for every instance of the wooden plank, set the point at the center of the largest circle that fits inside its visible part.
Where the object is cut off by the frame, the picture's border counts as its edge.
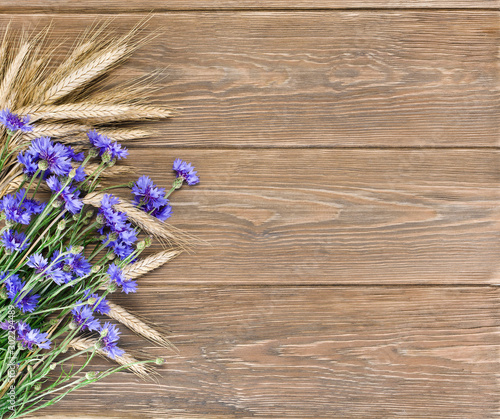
(334, 216)
(118, 6)
(310, 352)
(319, 79)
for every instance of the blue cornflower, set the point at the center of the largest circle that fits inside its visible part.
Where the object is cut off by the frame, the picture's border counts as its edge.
(186, 172)
(106, 145)
(162, 213)
(83, 315)
(38, 262)
(19, 209)
(14, 285)
(120, 248)
(146, 192)
(56, 272)
(72, 154)
(111, 335)
(14, 122)
(57, 156)
(80, 174)
(78, 264)
(69, 195)
(14, 241)
(116, 222)
(116, 276)
(100, 305)
(29, 162)
(112, 218)
(151, 199)
(28, 336)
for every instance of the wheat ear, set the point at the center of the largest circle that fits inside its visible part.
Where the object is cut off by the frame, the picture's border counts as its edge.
(143, 266)
(99, 113)
(56, 130)
(141, 370)
(85, 73)
(12, 72)
(137, 325)
(145, 221)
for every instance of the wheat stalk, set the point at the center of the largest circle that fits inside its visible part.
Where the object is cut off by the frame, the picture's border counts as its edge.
(141, 370)
(137, 325)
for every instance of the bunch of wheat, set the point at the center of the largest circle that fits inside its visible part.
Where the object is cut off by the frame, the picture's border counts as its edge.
(65, 102)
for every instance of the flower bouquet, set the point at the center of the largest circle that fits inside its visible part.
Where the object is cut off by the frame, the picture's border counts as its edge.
(67, 241)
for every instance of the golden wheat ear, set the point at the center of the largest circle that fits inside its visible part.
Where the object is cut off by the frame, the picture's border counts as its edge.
(141, 370)
(138, 326)
(154, 261)
(165, 233)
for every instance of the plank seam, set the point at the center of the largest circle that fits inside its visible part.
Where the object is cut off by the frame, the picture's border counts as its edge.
(236, 10)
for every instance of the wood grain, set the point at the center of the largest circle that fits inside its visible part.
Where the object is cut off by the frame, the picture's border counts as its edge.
(310, 352)
(318, 79)
(115, 6)
(334, 216)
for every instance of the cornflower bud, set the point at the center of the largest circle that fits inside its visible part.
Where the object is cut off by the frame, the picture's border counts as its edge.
(72, 325)
(178, 183)
(110, 256)
(91, 301)
(112, 163)
(72, 173)
(148, 240)
(95, 269)
(76, 249)
(43, 165)
(93, 152)
(53, 366)
(104, 333)
(57, 203)
(37, 387)
(106, 157)
(3, 294)
(112, 287)
(141, 245)
(100, 219)
(66, 268)
(61, 225)
(159, 361)
(89, 213)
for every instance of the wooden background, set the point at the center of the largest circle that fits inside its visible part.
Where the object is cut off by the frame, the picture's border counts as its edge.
(349, 157)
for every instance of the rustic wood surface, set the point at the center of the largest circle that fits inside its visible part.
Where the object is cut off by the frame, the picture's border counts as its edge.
(117, 6)
(349, 196)
(317, 79)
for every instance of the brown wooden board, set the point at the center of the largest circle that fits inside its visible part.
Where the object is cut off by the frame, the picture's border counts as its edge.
(309, 352)
(318, 79)
(115, 6)
(333, 216)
